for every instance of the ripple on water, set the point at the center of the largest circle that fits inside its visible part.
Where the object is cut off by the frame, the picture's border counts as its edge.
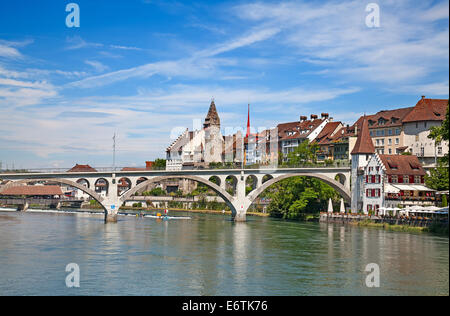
(210, 255)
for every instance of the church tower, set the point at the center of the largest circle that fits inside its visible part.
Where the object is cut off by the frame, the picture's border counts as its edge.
(361, 154)
(212, 119)
(213, 136)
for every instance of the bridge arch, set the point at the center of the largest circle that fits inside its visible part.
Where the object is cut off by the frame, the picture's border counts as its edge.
(140, 180)
(345, 194)
(74, 184)
(221, 192)
(84, 182)
(341, 178)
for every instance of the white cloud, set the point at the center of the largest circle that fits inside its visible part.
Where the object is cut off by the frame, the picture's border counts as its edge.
(76, 42)
(98, 66)
(401, 51)
(200, 64)
(124, 47)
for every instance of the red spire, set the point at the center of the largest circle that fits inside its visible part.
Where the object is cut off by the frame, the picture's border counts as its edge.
(248, 122)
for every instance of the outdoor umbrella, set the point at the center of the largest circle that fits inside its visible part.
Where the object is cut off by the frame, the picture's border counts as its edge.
(330, 206)
(342, 206)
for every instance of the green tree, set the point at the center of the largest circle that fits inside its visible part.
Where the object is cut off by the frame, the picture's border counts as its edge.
(159, 164)
(444, 202)
(294, 198)
(155, 192)
(306, 152)
(441, 133)
(438, 178)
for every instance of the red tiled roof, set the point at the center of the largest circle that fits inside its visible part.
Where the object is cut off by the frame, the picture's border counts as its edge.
(392, 118)
(82, 168)
(364, 143)
(428, 110)
(297, 128)
(325, 135)
(402, 165)
(33, 190)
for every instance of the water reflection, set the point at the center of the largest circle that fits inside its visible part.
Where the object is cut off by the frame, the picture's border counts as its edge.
(210, 255)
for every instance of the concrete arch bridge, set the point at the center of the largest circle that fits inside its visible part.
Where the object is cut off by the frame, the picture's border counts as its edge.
(239, 202)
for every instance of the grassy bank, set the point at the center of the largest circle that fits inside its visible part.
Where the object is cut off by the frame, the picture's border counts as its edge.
(136, 209)
(438, 229)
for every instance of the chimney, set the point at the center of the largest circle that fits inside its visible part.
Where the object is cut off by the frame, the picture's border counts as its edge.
(356, 130)
(313, 117)
(325, 115)
(148, 165)
(303, 118)
(423, 97)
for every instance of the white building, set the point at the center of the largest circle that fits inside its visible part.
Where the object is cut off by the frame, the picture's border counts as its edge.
(416, 127)
(385, 181)
(200, 147)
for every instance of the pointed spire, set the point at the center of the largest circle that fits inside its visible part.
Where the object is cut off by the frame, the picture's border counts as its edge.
(364, 143)
(212, 119)
(248, 122)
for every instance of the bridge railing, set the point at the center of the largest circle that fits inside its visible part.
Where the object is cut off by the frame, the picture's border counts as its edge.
(339, 164)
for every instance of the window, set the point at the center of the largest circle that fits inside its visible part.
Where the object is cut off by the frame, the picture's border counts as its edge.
(397, 131)
(422, 151)
(382, 141)
(390, 151)
(397, 141)
(394, 179)
(417, 125)
(417, 138)
(425, 124)
(417, 179)
(439, 150)
(390, 141)
(389, 132)
(405, 179)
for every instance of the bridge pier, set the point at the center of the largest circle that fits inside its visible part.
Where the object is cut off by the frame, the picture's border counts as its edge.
(111, 217)
(240, 217)
(23, 207)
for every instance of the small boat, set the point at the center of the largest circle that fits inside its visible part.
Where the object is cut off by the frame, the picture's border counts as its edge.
(167, 217)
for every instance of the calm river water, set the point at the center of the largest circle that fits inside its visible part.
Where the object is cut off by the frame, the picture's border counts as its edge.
(210, 255)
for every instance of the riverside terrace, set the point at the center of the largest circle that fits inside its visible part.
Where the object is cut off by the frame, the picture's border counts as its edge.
(239, 202)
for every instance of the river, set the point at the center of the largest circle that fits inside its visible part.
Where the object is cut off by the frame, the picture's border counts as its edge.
(210, 255)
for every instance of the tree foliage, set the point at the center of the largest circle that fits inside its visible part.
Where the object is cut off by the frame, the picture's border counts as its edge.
(441, 133)
(159, 164)
(305, 153)
(438, 178)
(296, 197)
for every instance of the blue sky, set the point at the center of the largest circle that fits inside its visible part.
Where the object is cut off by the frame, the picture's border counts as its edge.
(146, 69)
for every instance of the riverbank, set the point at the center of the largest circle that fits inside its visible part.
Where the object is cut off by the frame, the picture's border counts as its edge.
(190, 211)
(161, 210)
(410, 225)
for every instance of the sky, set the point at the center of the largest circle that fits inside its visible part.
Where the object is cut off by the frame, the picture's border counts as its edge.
(148, 69)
